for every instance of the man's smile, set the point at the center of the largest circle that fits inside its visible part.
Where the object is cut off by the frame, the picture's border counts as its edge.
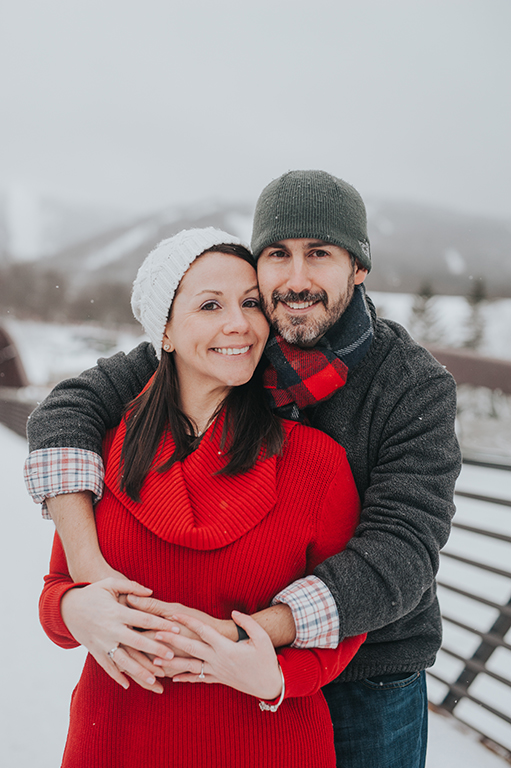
(299, 305)
(299, 302)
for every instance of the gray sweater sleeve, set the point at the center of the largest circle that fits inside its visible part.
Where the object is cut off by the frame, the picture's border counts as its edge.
(389, 567)
(79, 411)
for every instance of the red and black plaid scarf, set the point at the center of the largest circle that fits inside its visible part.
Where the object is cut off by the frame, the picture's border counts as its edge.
(299, 377)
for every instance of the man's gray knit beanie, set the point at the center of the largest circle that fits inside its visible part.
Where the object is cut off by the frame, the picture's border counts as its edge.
(312, 204)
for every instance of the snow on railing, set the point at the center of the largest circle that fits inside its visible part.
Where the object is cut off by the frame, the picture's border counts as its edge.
(471, 679)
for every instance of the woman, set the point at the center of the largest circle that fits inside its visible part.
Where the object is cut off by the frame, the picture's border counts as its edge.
(214, 502)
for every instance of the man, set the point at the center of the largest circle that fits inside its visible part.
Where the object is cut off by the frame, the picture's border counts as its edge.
(395, 418)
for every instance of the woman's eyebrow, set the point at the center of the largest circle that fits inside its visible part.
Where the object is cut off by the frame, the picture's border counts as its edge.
(220, 293)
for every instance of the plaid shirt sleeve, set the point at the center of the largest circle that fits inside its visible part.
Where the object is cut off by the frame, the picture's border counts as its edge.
(54, 471)
(314, 611)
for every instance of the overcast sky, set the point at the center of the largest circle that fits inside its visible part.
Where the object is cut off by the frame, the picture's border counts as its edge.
(142, 103)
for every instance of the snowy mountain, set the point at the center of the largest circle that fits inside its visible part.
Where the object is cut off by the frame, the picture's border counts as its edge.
(34, 225)
(115, 256)
(413, 245)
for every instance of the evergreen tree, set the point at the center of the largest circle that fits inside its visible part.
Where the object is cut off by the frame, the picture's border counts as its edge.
(475, 323)
(424, 323)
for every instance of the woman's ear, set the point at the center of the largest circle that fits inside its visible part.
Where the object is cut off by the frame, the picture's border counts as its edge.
(167, 344)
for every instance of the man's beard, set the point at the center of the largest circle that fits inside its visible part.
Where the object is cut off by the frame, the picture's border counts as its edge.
(306, 330)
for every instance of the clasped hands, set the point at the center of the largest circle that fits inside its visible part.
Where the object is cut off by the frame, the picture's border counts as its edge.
(170, 640)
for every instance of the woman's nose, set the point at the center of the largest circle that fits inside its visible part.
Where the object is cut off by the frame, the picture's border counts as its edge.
(236, 322)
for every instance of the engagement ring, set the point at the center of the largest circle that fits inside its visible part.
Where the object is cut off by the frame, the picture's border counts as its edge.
(111, 653)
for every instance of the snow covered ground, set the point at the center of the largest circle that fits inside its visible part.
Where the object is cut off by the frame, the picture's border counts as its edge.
(51, 352)
(38, 677)
(452, 318)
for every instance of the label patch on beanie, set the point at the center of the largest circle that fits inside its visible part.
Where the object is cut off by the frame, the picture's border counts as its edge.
(365, 248)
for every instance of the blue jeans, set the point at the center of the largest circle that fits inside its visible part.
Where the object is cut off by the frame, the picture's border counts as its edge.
(380, 723)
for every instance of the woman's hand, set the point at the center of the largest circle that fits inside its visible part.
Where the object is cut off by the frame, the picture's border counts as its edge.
(169, 610)
(98, 620)
(249, 666)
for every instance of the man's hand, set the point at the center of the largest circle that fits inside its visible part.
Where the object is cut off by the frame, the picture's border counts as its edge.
(167, 610)
(156, 607)
(278, 618)
(98, 620)
(250, 666)
(277, 621)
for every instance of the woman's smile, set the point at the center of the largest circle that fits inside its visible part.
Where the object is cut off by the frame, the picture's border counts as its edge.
(232, 350)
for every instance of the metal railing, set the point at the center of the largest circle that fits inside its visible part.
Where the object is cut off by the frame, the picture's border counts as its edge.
(16, 405)
(489, 641)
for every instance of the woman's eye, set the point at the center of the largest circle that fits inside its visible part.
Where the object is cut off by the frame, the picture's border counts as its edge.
(251, 303)
(209, 305)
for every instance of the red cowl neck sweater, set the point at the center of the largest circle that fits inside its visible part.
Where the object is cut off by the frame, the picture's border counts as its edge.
(216, 543)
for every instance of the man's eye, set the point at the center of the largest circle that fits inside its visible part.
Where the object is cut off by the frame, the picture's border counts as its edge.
(210, 305)
(319, 253)
(278, 254)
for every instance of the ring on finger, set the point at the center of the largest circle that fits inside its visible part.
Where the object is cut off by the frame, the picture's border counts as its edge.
(110, 653)
(202, 675)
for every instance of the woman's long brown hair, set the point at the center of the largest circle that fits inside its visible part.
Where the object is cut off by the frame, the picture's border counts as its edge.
(249, 426)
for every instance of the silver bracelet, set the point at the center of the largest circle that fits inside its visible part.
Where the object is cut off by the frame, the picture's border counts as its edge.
(265, 707)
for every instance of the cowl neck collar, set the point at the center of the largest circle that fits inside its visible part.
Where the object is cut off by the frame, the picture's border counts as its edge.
(189, 504)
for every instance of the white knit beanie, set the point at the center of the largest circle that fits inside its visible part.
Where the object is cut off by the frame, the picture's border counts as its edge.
(161, 272)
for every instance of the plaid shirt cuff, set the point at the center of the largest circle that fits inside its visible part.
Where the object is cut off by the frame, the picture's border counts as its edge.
(314, 611)
(54, 471)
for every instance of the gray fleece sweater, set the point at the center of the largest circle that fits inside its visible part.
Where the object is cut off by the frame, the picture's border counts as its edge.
(395, 418)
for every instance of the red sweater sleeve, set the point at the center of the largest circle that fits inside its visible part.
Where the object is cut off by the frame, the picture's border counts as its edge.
(307, 670)
(56, 584)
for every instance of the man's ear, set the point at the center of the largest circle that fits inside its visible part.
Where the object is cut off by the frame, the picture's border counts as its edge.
(360, 275)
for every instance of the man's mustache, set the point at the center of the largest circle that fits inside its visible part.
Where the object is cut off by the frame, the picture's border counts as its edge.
(298, 298)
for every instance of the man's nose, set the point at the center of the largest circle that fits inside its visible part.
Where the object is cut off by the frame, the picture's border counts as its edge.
(298, 278)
